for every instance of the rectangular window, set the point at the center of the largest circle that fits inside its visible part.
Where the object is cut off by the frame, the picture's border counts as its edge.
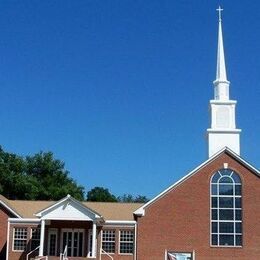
(20, 239)
(109, 241)
(35, 241)
(126, 242)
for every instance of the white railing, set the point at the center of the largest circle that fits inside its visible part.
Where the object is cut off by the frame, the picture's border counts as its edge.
(64, 255)
(102, 251)
(27, 256)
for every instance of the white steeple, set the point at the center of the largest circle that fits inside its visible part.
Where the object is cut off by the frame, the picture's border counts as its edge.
(221, 66)
(221, 83)
(223, 132)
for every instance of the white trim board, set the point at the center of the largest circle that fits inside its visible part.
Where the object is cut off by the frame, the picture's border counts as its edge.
(141, 211)
(120, 222)
(24, 220)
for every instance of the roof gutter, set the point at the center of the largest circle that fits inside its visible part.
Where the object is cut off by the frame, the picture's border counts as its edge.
(24, 220)
(129, 223)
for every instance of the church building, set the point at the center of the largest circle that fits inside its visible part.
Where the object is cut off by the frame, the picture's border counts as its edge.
(212, 213)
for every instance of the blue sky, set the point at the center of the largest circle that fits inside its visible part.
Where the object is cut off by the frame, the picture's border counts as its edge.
(119, 90)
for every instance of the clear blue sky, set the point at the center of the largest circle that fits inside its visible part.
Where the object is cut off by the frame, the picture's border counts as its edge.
(119, 90)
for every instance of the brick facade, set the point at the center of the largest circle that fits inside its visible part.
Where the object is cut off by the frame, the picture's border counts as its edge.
(117, 255)
(59, 225)
(21, 255)
(180, 220)
(4, 215)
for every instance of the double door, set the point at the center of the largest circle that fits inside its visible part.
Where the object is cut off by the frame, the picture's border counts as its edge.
(74, 240)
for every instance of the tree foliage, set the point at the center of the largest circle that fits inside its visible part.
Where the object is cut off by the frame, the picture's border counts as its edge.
(37, 177)
(131, 198)
(42, 177)
(100, 194)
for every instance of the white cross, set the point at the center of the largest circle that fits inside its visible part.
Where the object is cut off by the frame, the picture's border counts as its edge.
(219, 13)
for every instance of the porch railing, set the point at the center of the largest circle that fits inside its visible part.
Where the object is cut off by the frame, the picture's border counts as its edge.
(27, 256)
(64, 255)
(102, 251)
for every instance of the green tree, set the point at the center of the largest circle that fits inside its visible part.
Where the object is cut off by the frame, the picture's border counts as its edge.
(132, 199)
(14, 182)
(141, 199)
(40, 177)
(126, 198)
(52, 176)
(100, 194)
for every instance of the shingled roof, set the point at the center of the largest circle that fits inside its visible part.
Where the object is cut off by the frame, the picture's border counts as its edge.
(108, 210)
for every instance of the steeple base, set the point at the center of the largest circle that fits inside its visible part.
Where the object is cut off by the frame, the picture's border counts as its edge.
(218, 139)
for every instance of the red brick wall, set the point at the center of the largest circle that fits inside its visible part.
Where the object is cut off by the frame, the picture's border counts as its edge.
(4, 215)
(14, 255)
(180, 221)
(115, 256)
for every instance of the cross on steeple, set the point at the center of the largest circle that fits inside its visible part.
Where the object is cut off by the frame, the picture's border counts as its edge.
(219, 13)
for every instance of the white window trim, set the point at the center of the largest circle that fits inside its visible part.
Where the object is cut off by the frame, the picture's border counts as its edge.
(53, 231)
(129, 242)
(15, 250)
(101, 246)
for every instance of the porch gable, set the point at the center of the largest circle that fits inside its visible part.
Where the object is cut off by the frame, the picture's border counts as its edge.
(68, 209)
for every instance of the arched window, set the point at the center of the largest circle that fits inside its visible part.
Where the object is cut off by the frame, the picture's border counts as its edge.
(226, 209)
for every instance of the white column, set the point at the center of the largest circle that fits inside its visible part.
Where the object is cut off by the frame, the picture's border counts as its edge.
(42, 237)
(135, 239)
(8, 238)
(94, 235)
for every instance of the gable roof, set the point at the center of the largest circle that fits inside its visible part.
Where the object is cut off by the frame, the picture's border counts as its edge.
(141, 210)
(108, 210)
(68, 208)
(5, 203)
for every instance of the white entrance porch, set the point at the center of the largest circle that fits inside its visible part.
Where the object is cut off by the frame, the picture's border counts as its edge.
(70, 228)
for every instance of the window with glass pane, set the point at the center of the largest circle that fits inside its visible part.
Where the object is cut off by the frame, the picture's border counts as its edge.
(126, 242)
(226, 209)
(109, 241)
(20, 239)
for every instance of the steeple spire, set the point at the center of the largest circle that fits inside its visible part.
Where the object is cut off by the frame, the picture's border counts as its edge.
(223, 131)
(221, 83)
(221, 74)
